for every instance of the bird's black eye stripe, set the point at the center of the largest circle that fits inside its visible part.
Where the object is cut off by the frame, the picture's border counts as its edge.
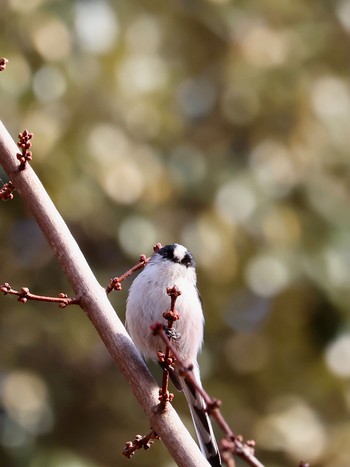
(187, 260)
(167, 251)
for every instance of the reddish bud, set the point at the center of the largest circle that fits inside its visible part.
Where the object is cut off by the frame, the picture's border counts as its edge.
(3, 63)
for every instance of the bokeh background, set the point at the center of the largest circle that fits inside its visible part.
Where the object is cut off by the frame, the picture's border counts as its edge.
(220, 124)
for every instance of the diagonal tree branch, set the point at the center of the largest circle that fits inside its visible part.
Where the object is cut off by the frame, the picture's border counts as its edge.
(94, 301)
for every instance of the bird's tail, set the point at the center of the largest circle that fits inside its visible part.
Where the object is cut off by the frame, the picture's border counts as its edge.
(201, 421)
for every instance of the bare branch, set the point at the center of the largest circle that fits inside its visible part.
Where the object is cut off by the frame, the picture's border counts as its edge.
(94, 301)
(116, 282)
(24, 145)
(139, 442)
(232, 443)
(24, 295)
(3, 63)
(167, 359)
(6, 191)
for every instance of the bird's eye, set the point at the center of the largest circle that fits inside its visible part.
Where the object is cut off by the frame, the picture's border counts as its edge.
(186, 260)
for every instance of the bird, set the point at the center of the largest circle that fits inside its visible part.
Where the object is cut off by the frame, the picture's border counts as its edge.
(173, 265)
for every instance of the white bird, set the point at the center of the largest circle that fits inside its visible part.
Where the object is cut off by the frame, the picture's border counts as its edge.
(147, 301)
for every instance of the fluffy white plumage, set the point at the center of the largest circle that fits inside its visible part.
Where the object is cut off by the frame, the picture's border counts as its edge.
(147, 301)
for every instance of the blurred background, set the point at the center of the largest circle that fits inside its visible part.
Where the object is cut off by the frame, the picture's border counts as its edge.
(219, 124)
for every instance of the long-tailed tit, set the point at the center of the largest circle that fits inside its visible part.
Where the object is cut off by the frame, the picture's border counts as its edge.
(147, 301)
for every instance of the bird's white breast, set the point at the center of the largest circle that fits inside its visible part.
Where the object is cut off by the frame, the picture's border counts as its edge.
(148, 301)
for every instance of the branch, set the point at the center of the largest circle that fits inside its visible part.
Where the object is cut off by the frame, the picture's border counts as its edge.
(24, 145)
(94, 301)
(24, 295)
(3, 63)
(139, 442)
(232, 443)
(6, 191)
(116, 282)
(166, 360)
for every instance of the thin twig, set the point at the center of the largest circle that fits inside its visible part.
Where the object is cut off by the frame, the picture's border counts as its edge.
(6, 191)
(167, 359)
(232, 443)
(139, 442)
(115, 283)
(24, 295)
(3, 63)
(24, 145)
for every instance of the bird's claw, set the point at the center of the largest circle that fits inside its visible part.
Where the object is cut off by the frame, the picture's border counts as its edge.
(172, 334)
